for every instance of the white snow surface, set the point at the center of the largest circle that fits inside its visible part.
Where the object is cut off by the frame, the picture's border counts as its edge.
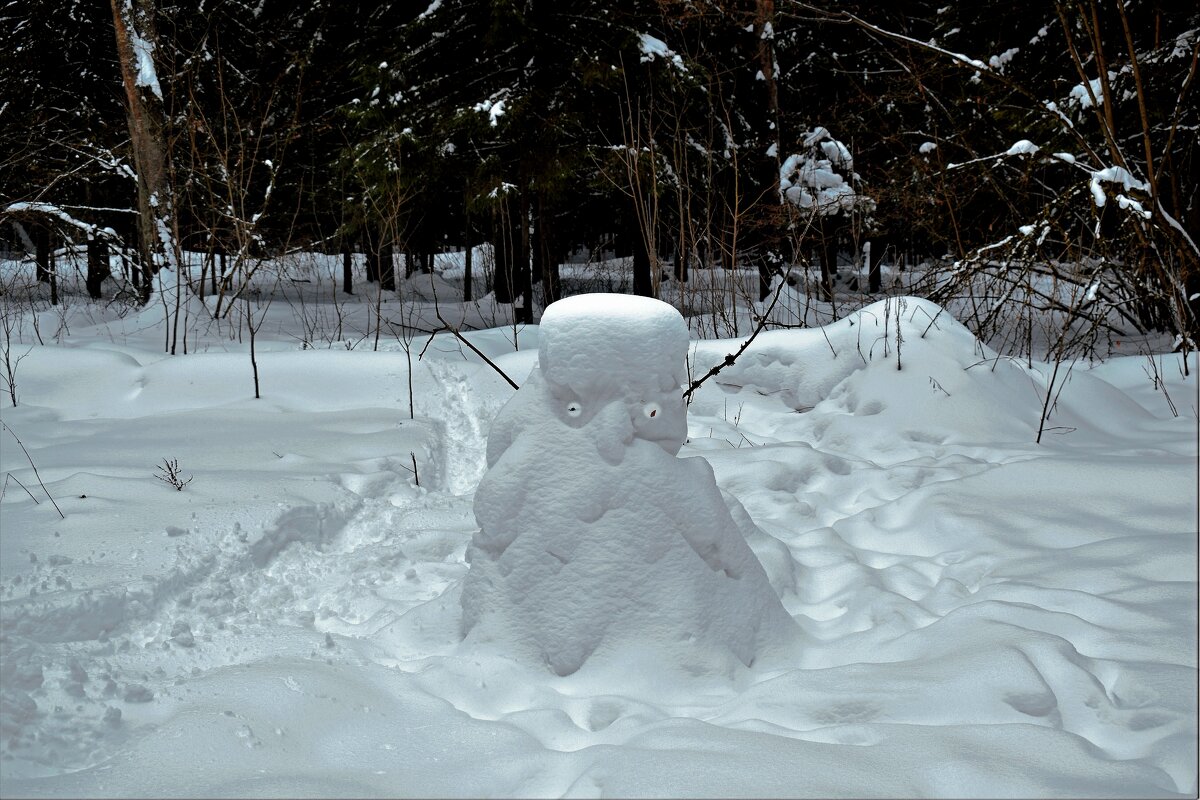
(431, 9)
(1083, 95)
(972, 614)
(1118, 176)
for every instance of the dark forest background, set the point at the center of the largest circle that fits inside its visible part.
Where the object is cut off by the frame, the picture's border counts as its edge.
(656, 129)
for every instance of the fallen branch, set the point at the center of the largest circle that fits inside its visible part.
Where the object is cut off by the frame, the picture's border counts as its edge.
(36, 502)
(446, 326)
(36, 474)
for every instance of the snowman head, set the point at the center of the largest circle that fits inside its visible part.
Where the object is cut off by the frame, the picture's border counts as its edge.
(616, 361)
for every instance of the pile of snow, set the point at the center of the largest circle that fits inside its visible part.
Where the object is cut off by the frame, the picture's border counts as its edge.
(904, 360)
(595, 540)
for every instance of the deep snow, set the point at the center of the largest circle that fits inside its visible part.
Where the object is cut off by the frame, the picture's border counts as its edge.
(978, 615)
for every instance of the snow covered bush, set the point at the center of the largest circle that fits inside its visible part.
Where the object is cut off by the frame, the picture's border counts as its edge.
(821, 182)
(1072, 198)
(816, 180)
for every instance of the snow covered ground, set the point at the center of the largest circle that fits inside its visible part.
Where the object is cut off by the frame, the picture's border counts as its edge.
(979, 615)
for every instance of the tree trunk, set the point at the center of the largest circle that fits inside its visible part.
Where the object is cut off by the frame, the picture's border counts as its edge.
(53, 280)
(370, 246)
(764, 277)
(216, 256)
(387, 267)
(512, 259)
(469, 244)
(521, 237)
(770, 238)
(879, 246)
(643, 283)
(681, 258)
(41, 244)
(131, 252)
(828, 246)
(545, 254)
(137, 39)
(206, 265)
(347, 269)
(501, 285)
(148, 267)
(97, 266)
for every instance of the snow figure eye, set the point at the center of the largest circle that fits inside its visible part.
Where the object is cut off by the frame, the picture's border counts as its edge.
(651, 410)
(574, 409)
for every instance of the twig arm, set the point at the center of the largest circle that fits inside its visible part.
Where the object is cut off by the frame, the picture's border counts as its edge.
(730, 358)
(446, 326)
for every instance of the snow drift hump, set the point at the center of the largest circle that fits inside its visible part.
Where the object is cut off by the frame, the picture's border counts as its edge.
(594, 539)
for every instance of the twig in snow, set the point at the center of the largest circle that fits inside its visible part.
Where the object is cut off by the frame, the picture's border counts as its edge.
(35, 470)
(446, 326)
(170, 474)
(416, 475)
(9, 475)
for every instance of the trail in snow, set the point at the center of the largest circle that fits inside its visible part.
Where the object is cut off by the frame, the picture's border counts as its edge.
(463, 443)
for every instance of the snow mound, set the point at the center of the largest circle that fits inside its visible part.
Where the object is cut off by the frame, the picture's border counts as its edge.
(594, 539)
(903, 372)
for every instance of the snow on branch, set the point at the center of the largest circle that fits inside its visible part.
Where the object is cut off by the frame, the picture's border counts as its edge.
(53, 211)
(1121, 176)
(1023, 147)
(653, 48)
(430, 10)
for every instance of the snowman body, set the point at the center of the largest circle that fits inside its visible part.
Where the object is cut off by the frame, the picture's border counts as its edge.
(595, 540)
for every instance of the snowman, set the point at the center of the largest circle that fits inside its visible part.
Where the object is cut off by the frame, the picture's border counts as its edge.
(595, 540)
